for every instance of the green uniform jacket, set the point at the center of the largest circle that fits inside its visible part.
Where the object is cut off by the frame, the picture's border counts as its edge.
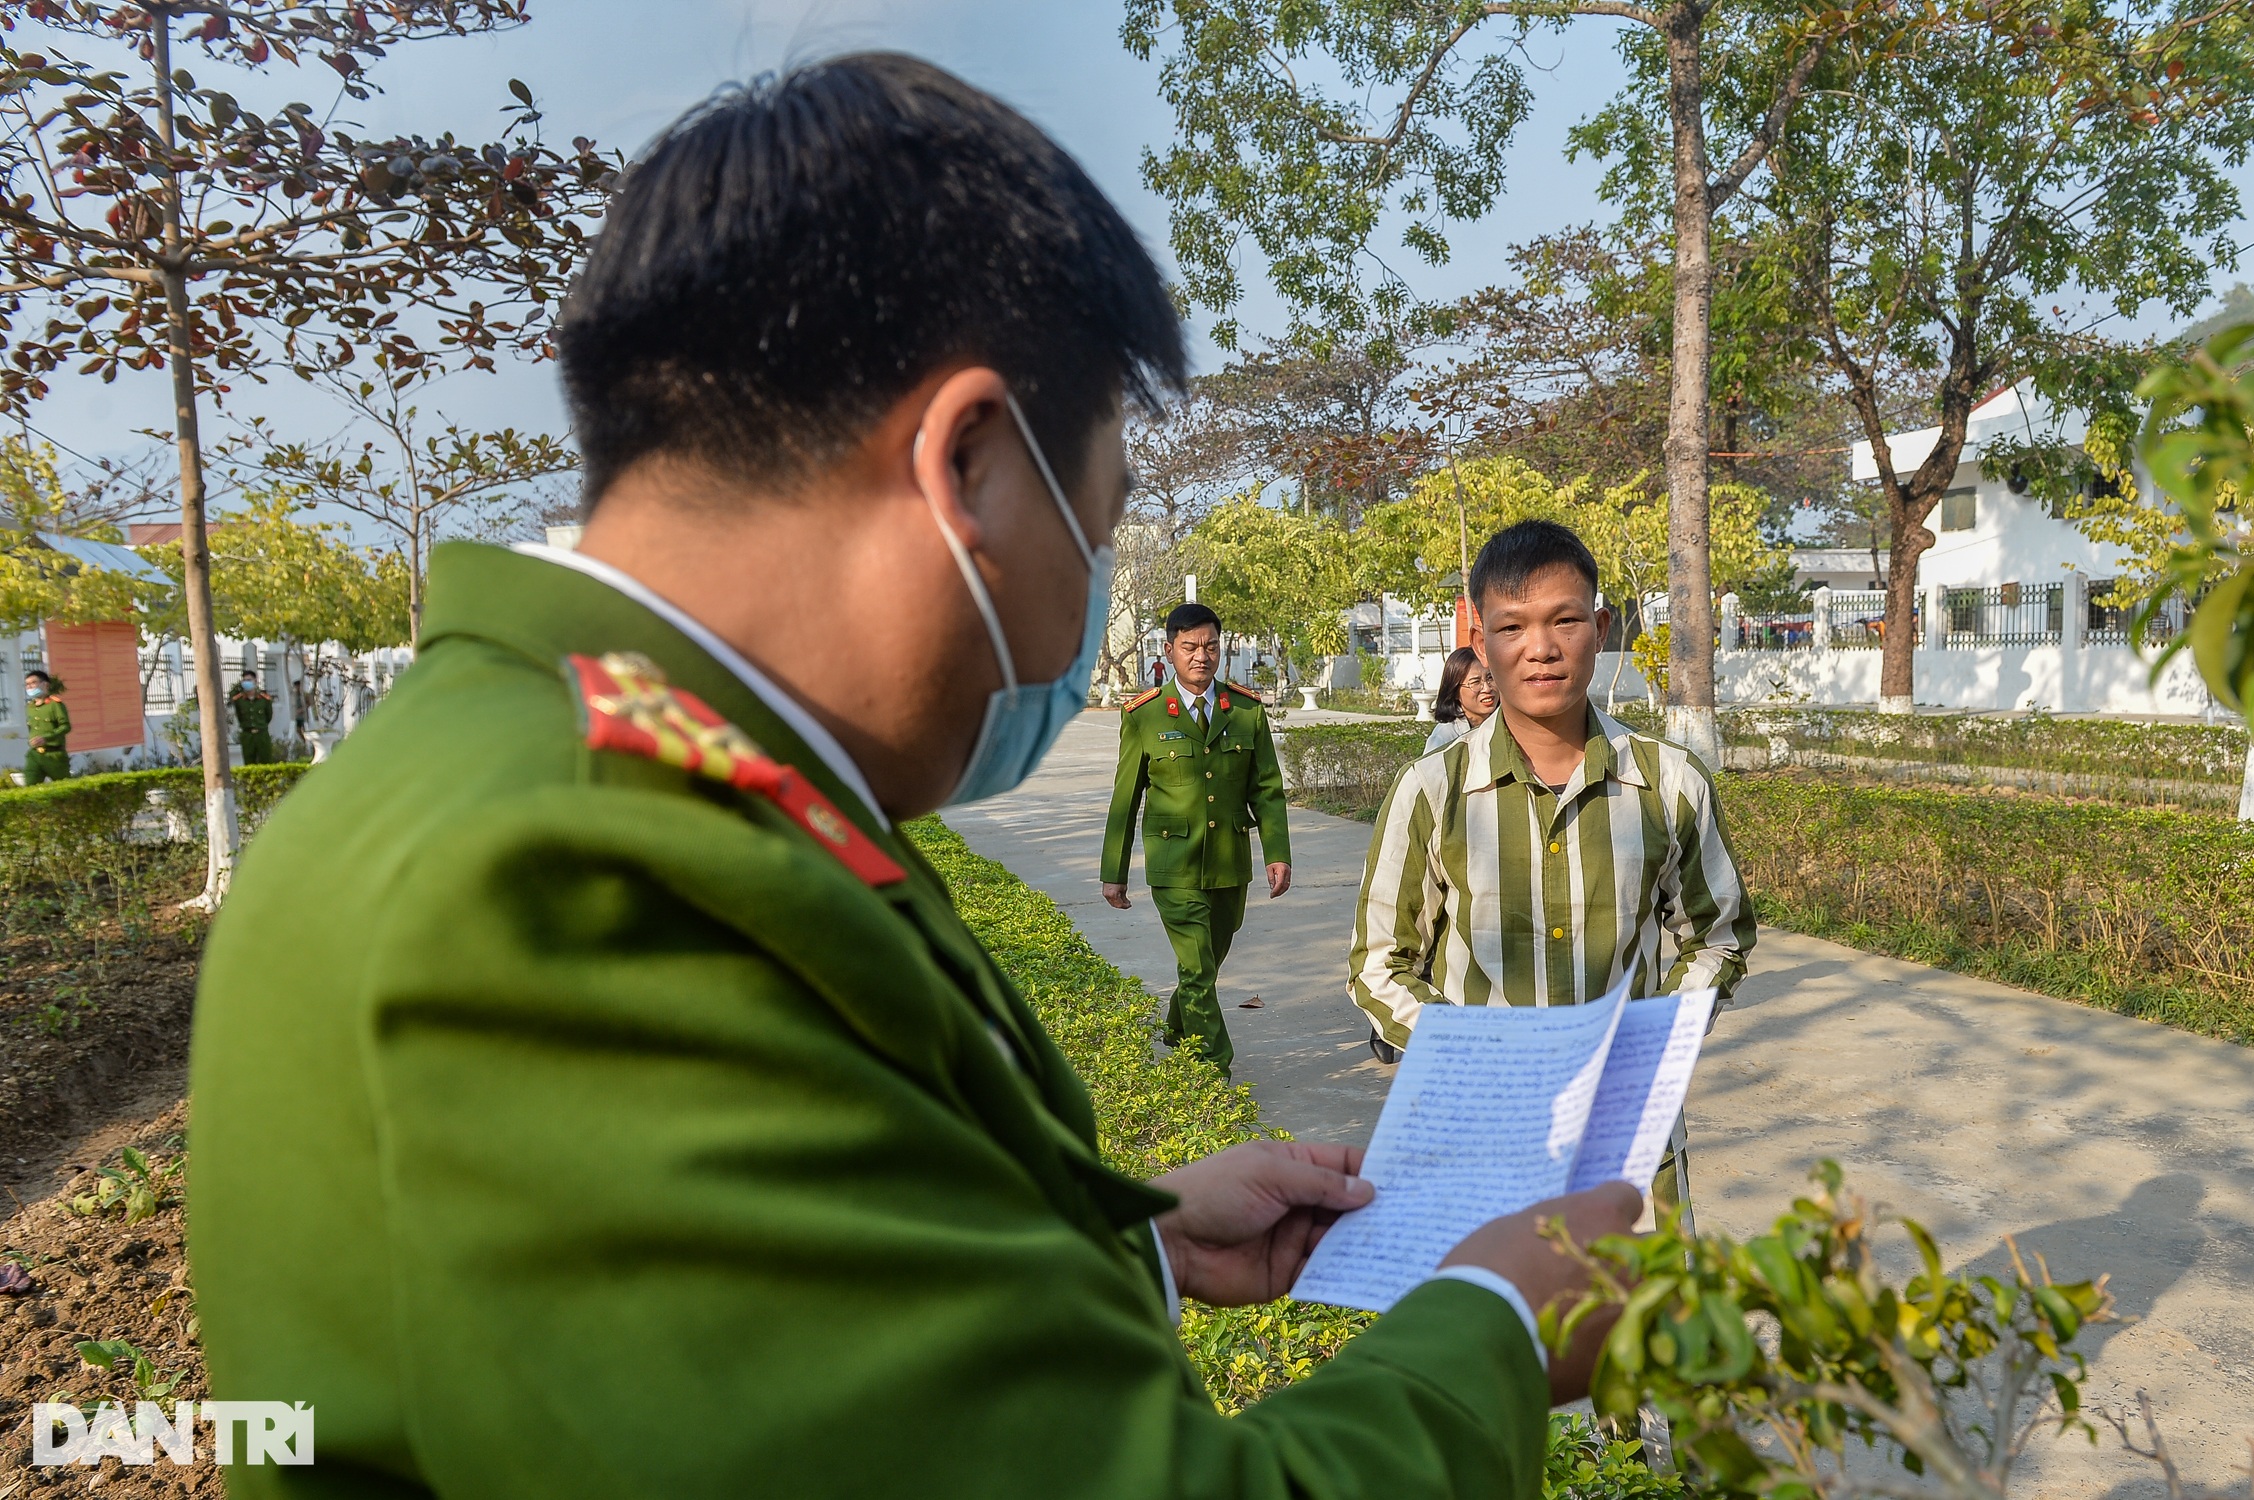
(1205, 795)
(48, 724)
(569, 1125)
(254, 712)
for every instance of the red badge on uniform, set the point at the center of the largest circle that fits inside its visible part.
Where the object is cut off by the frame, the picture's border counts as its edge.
(1224, 703)
(1173, 709)
(631, 710)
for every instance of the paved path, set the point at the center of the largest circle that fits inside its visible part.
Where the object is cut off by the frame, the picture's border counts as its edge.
(2106, 1144)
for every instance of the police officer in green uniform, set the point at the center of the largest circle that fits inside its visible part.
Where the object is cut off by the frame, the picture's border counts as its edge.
(1201, 749)
(47, 722)
(254, 720)
(651, 1124)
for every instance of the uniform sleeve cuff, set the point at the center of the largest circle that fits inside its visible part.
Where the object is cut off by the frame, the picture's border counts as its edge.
(1501, 1286)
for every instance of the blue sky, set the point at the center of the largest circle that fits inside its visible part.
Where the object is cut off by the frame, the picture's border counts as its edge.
(620, 72)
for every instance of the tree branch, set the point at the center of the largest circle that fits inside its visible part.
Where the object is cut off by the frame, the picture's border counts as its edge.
(1772, 125)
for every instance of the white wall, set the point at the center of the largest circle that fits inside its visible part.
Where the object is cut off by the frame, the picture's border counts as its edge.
(2105, 679)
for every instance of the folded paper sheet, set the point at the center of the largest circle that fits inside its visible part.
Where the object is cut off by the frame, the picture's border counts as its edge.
(1497, 1108)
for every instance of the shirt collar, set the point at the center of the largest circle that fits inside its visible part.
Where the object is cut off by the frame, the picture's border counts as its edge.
(784, 707)
(1206, 697)
(1599, 758)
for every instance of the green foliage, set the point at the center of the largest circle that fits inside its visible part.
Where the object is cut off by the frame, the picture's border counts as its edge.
(1650, 653)
(117, 831)
(1798, 1336)
(38, 584)
(2133, 910)
(1275, 575)
(277, 574)
(1585, 1464)
(2199, 443)
(1347, 768)
(1412, 548)
(120, 1357)
(137, 1188)
(1307, 172)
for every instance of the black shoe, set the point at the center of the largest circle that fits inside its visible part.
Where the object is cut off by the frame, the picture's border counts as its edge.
(1383, 1050)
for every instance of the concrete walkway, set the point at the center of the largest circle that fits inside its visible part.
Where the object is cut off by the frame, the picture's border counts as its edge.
(2108, 1145)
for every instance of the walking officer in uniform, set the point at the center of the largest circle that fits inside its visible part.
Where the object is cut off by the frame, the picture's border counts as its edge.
(47, 722)
(254, 720)
(1201, 751)
(655, 1126)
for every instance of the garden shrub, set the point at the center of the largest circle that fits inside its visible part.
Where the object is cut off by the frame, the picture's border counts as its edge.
(2133, 909)
(119, 829)
(1345, 768)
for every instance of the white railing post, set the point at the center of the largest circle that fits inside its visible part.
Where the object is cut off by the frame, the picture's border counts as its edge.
(2074, 617)
(1820, 601)
(1937, 617)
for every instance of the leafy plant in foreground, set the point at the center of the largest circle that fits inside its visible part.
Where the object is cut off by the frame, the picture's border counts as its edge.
(140, 1187)
(122, 1358)
(1796, 1337)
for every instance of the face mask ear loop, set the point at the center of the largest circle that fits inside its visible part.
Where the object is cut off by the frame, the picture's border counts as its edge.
(1056, 490)
(969, 571)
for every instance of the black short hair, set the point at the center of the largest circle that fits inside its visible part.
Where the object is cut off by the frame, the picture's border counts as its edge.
(1189, 617)
(35, 672)
(793, 256)
(1449, 705)
(1515, 554)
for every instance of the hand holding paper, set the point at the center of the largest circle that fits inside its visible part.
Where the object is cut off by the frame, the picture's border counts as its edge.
(1498, 1108)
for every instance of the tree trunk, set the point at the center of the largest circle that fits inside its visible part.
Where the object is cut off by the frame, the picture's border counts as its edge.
(221, 832)
(1690, 584)
(1897, 665)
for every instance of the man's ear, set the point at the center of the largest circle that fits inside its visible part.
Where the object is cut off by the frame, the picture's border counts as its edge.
(1604, 624)
(957, 411)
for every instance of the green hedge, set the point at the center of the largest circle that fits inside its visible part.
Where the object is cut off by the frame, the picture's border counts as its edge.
(2139, 911)
(119, 828)
(1346, 768)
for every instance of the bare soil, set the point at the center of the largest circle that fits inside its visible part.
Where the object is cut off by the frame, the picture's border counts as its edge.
(94, 1019)
(92, 1276)
(89, 1044)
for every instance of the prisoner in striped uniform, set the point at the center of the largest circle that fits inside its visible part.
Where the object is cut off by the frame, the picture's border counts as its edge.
(1485, 886)
(1552, 852)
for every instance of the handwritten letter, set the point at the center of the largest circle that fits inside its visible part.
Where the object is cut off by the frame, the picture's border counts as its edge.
(1485, 1118)
(1645, 1078)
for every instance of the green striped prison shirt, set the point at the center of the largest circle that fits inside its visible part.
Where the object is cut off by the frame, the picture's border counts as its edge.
(1483, 884)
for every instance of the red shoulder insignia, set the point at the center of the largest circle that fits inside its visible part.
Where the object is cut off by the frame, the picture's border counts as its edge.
(629, 709)
(1247, 693)
(1140, 699)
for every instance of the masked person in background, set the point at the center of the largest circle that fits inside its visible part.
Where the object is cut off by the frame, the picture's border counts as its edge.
(254, 720)
(656, 1127)
(47, 727)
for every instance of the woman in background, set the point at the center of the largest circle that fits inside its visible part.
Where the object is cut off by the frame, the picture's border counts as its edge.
(1467, 697)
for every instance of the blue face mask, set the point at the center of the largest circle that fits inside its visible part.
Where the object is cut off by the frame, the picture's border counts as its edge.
(1024, 719)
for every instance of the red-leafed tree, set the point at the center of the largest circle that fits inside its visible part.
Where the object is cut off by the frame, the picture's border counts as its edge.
(152, 220)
